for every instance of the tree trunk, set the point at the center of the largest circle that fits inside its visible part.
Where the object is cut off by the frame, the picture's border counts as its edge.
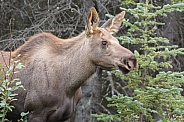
(87, 105)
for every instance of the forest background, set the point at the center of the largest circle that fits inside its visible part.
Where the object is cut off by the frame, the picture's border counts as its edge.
(20, 19)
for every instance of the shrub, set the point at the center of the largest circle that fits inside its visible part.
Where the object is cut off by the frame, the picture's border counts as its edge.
(8, 86)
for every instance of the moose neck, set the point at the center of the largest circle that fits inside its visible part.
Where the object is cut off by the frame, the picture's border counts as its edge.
(77, 63)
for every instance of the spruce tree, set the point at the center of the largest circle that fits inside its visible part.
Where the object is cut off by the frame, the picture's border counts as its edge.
(156, 89)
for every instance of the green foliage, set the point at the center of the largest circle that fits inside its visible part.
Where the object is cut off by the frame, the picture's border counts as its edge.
(129, 106)
(8, 86)
(156, 88)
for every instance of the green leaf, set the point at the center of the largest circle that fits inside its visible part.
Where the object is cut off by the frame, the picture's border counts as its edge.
(18, 83)
(24, 114)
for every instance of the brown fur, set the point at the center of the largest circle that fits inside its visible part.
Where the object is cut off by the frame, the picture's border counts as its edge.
(56, 68)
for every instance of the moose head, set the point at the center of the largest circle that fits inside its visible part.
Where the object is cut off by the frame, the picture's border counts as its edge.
(106, 52)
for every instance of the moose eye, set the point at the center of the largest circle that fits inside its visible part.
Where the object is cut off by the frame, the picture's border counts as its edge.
(104, 42)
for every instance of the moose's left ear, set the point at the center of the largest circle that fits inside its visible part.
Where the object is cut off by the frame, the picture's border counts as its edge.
(92, 21)
(113, 24)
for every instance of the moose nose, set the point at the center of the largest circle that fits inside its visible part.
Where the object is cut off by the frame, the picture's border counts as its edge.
(131, 62)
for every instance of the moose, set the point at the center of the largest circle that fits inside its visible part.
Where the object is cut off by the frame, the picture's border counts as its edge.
(55, 69)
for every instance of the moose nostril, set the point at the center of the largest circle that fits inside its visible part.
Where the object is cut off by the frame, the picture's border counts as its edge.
(127, 63)
(131, 62)
(129, 66)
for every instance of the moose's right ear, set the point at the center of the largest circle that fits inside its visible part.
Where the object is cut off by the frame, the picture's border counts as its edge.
(112, 25)
(92, 21)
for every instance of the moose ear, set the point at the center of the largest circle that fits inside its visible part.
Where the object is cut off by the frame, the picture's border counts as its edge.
(92, 21)
(112, 25)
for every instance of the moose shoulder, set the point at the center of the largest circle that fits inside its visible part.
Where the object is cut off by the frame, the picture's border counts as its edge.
(56, 68)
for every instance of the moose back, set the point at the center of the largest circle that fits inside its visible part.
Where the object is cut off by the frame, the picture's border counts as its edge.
(56, 68)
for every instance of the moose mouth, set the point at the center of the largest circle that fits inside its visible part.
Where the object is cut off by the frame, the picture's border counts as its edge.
(123, 70)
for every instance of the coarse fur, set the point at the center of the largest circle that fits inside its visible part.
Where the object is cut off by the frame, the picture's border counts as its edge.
(55, 69)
